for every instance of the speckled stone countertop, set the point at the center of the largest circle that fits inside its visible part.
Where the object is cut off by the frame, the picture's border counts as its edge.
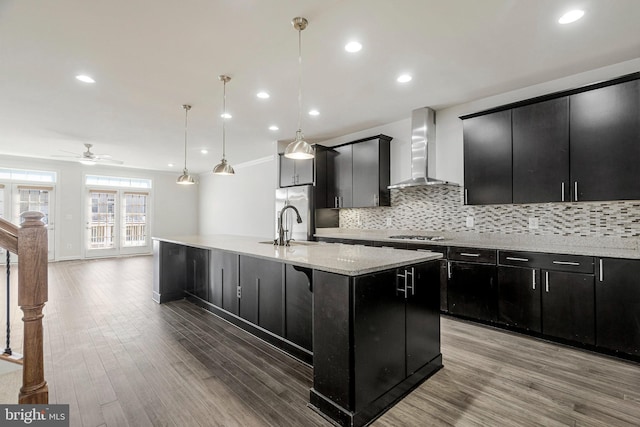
(592, 246)
(347, 260)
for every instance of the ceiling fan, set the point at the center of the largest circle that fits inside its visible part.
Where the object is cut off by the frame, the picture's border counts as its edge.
(90, 158)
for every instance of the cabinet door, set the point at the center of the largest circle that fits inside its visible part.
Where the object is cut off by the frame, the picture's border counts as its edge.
(379, 336)
(339, 177)
(605, 143)
(169, 278)
(287, 171)
(198, 272)
(298, 306)
(261, 299)
(618, 305)
(303, 171)
(487, 159)
(422, 315)
(473, 291)
(371, 173)
(568, 306)
(224, 281)
(519, 298)
(541, 152)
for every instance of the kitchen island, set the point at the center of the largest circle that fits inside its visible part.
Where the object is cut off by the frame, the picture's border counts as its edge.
(366, 318)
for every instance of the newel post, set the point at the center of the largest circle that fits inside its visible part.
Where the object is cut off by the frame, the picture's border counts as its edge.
(32, 295)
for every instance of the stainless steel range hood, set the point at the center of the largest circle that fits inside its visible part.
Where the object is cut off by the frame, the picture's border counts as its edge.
(423, 135)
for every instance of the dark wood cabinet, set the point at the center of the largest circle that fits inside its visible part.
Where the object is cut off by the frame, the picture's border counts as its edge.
(371, 172)
(618, 305)
(358, 173)
(541, 152)
(568, 306)
(340, 177)
(223, 291)
(261, 293)
(169, 271)
(197, 270)
(295, 172)
(519, 298)
(472, 290)
(488, 159)
(605, 143)
(298, 306)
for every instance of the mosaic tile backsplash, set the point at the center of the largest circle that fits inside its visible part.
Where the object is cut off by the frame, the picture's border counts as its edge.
(441, 207)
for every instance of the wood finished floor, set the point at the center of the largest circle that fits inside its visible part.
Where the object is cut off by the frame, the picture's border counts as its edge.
(120, 359)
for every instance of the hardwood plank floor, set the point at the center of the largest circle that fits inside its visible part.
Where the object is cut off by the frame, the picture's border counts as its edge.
(119, 359)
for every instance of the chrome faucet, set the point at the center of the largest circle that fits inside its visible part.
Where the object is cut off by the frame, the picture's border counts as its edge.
(281, 241)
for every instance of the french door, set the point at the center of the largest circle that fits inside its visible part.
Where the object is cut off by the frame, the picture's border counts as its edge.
(117, 223)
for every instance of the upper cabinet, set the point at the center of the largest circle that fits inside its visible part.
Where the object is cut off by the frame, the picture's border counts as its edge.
(541, 152)
(605, 143)
(487, 159)
(358, 173)
(578, 145)
(295, 172)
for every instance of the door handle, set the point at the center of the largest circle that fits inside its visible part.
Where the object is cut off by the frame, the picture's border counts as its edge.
(567, 263)
(601, 270)
(533, 277)
(546, 273)
(448, 269)
(468, 254)
(512, 258)
(575, 191)
(562, 191)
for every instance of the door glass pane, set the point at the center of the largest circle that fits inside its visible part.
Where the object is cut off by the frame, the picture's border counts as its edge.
(102, 220)
(135, 219)
(34, 200)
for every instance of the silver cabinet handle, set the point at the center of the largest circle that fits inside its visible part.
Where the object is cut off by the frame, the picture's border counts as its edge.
(566, 263)
(562, 191)
(375, 200)
(239, 291)
(575, 190)
(512, 258)
(546, 274)
(449, 270)
(533, 277)
(406, 277)
(466, 197)
(400, 288)
(468, 254)
(601, 270)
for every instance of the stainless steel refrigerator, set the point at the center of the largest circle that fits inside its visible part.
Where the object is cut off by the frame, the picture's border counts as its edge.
(302, 198)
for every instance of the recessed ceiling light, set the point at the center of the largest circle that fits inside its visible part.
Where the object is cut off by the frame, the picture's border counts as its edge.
(226, 115)
(404, 78)
(353, 47)
(273, 127)
(204, 151)
(85, 79)
(571, 16)
(314, 113)
(170, 165)
(262, 95)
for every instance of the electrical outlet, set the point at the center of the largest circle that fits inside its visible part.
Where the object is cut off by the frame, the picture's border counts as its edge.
(389, 222)
(533, 223)
(470, 221)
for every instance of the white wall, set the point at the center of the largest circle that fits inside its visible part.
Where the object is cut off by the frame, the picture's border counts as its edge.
(242, 204)
(174, 207)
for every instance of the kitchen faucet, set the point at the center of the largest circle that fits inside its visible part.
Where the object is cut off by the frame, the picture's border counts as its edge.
(281, 241)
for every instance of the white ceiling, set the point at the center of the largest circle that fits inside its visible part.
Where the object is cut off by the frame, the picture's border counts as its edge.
(150, 57)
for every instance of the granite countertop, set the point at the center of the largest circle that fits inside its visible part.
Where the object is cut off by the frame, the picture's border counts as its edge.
(348, 260)
(592, 246)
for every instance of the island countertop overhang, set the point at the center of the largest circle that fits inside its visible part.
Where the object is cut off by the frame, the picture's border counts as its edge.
(348, 260)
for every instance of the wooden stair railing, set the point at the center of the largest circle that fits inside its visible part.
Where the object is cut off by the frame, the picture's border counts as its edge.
(29, 242)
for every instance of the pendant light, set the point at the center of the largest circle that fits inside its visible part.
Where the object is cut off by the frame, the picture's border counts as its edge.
(185, 178)
(223, 168)
(299, 149)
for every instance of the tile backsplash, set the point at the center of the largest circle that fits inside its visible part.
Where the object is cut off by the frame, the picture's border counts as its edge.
(441, 207)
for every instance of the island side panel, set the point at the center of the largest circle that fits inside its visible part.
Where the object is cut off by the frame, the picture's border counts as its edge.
(169, 271)
(332, 375)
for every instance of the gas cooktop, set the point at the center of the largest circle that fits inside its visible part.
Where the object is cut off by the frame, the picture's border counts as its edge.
(417, 237)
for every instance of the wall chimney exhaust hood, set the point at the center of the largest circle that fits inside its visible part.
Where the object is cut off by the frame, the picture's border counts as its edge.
(423, 135)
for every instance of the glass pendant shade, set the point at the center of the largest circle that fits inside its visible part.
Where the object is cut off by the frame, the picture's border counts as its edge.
(299, 149)
(223, 168)
(185, 178)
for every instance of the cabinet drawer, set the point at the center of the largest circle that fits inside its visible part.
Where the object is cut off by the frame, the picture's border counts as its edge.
(485, 256)
(553, 262)
(432, 248)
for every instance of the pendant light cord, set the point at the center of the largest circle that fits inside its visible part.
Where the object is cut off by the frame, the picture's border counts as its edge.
(186, 114)
(224, 114)
(299, 79)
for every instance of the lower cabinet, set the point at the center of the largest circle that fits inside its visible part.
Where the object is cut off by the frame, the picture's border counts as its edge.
(472, 291)
(169, 271)
(197, 267)
(519, 298)
(223, 290)
(261, 293)
(568, 306)
(618, 305)
(298, 306)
